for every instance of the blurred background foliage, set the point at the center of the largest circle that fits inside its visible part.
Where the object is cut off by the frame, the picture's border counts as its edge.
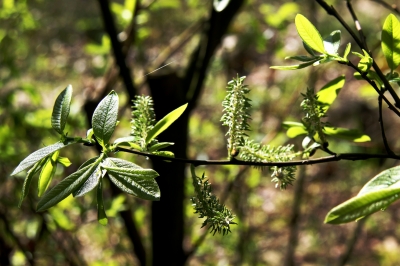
(46, 45)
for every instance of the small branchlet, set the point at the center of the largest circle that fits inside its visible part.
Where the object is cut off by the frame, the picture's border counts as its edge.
(219, 218)
(314, 111)
(143, 119)
(255, 152)
(236, 114)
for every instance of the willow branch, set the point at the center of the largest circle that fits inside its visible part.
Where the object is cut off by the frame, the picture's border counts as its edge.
(331, 158)
(385, 142)
(357, 24)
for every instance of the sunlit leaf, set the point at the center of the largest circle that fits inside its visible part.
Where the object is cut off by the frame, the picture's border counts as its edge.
(164, 123)
(61, 110)
(391, 41)
(159, 146)
(347, 51)
(294, 67)
(124, 140)
(363, 205)
(347, 134)
(332, 42)
(134, 171)
(302, 58)
(105, 118)
(309, 34)
(40, 154)
(220, 5)
(64, 161)
(139, 187)
(47, 173)
(296, 131)
(383, 180)
(365, 62)
(329, 92)
(65, 187)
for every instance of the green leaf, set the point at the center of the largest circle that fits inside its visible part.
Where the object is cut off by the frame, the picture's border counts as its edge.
(220, 5)
(329, 92)
(363, 205)
(308, 49)
(294, 67)
(391, 41)
(61, 110)
(64, 161)
(93, 179)
(164, 123)
(40, 154)
(136, 172)
(296, 131)
(142, 188)
(309, 34)
(168, 154)
(124, 140)
(346, 134)
(347, 51)
(28, 179)
(365, 62)
(302, 58)
(101, 214)
(104, 118)
(65, 187)
(381, 181)
(332, 42)
(159, 146)
(48, 171)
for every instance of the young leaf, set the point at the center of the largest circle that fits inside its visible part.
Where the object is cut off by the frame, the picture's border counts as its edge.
(136, 172)
(332, 42)
(28, 180)
(65, 187)
(64, 161)
(104, 118)
(363, 205)
(309, 34)
(124, 140)
(346, 134)
(93, 179)
(347, 51)
(101, 214)
(142, 188)
(302, 58)
(329, 92)
(383, 180)
(168, 154)
(365, 62)
(38, 155)
(165, 122)
(160, 145)
(391, 41)
(61, 110)
(294, 67)
(48, 171)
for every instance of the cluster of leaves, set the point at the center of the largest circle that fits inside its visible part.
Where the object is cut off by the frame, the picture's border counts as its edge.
(128, 176)
(219, 218)
(383, 189)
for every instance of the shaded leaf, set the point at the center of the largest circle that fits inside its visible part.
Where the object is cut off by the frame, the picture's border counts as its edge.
(65, 187)
(302, 58)
(101, 214)
(124, 140)
(28, 180)
(142, 188)
(309, 34)
(136, 172)
(61, 110)
(104, 118)
(391, 41)
(38, 155)
(164, 123)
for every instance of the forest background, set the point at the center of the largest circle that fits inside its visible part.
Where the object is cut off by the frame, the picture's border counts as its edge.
(46, 45)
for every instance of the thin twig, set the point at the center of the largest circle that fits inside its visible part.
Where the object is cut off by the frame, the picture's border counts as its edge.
(385, 142)
(357, 24)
